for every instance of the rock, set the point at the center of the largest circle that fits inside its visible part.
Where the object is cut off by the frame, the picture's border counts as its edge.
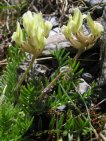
(54, 31)
(98, 11)
(102, 44)
(57, 40)
(93, 2)
(53, 19)
(61, 108)
(87, 77)
(40, 69)
(83, 86)
(102, 78)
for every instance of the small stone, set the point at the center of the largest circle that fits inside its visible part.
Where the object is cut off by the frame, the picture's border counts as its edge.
(51, 33)
(56, 30)
(61, 108)
(54, 21)
(87, 77)
(40, 69)
(83, 86)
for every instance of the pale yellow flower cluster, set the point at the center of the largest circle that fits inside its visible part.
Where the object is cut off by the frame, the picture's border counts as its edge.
(32, 38)
(73, 31)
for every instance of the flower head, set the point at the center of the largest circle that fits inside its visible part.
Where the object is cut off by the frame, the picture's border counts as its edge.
(36, 31)
(74, 33)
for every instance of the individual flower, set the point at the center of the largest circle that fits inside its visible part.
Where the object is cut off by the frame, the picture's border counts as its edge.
(74, 24)
(66, 30)
(29, 23)
(48, 27)
(18, 35)
(95, 27)
(76, 21)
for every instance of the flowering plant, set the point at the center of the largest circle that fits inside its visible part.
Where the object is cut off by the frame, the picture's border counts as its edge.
(32, 38)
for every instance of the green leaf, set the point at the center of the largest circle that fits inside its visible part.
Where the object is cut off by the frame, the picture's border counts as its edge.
(60, 122)
(52, 122)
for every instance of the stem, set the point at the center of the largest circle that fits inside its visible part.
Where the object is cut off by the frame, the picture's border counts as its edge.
(49, 86)
(78, 54)
(78, 110)
(93, 129)
(23, 78)
(52, 83)
(102, 136)
(26, 72)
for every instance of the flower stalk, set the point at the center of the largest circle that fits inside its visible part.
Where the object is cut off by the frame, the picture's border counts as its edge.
(25, 73)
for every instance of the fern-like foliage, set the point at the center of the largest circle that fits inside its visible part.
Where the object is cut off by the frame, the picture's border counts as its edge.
(47, 114)
(29, 97)
(10, 76)
(13, 121)
(69, 121)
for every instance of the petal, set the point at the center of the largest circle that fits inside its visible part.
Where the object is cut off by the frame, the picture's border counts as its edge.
(28, 22)
(18, 35)
(95, 27)
(39, 22)
(65, 31)
(91, 23)
(78, 20)
(48, 27)
(99, 28)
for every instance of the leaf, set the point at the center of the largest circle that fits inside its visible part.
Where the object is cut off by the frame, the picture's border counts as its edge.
(60, 122)
(52, 122)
